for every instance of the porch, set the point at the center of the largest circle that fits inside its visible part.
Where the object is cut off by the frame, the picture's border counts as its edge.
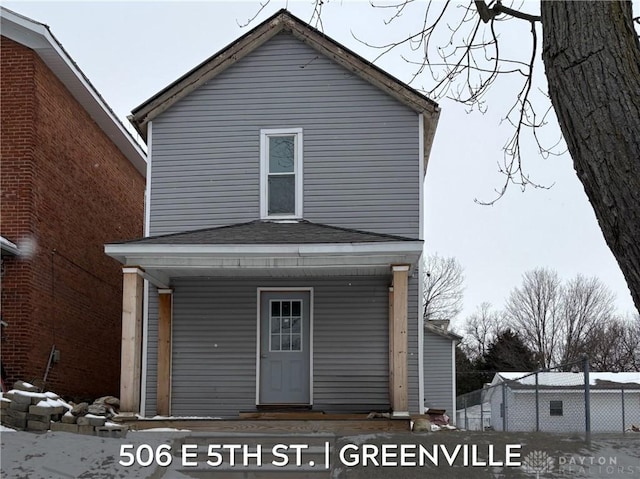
(221, 318)
(278, 423)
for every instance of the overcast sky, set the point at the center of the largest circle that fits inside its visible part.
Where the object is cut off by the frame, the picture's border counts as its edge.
(130, 51)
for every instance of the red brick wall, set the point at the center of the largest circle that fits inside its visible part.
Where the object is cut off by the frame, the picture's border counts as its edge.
(84, 193)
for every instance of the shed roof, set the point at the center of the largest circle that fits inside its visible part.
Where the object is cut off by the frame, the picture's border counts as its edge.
(445, 333)
(560, 379)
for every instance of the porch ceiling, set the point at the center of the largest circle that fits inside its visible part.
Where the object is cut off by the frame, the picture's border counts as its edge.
(162, 262)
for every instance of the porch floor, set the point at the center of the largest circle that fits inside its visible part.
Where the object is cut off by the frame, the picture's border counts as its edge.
(279, 422)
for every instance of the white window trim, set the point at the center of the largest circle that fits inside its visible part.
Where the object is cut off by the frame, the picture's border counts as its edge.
(264, 171)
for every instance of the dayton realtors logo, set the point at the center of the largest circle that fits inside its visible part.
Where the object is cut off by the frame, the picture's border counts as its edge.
(537, 462)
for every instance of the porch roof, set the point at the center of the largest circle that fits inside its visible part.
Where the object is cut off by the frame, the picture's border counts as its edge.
(267, 248)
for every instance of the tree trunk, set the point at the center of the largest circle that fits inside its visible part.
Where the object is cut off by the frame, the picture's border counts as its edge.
(591, 54)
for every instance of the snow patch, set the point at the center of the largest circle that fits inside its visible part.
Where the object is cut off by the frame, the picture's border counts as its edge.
(164, 429)
(28, 394)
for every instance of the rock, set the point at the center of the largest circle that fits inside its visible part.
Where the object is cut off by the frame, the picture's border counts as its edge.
(37, 397)
(16, 406)
(22, 386)
(91, 420)
(4, 403)
(90, 430)
(109, 400)
(112, 430)
(421, 425)
(15, 397)
(38, 417)
(14, 422)
(98, 409)
(68, 418)
(44, 410)
(80, 409)
(16, 414)
(38, 426)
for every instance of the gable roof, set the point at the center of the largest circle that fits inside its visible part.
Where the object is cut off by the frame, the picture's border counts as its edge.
(269, 233)
(572, 380)
(38, 37)
(445, 333)
(284, 21)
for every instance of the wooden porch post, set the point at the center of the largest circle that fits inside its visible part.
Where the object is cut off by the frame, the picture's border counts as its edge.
(165, 316)
(131, 353)
(400, 382)
(391, 346)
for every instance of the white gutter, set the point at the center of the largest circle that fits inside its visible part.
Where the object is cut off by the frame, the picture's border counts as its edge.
(314, 249)
(8, 247)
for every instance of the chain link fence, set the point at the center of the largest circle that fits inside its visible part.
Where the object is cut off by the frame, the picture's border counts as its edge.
(566, 398)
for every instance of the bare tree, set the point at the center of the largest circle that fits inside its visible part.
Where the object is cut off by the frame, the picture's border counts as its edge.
(631, 344)
(533, 310)
(560, 322)
(585, 304)
(481, 329)
(613, 346)
(591, 55)
(442, 288)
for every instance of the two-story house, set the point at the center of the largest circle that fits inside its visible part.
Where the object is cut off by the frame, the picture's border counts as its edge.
(71, 178)
(284, 234)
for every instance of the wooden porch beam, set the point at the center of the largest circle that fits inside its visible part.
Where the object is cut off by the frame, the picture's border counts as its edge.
(400, 382)
(165, 316)
(131, 352)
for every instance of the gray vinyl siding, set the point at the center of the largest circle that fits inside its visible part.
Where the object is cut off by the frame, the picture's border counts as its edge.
(214, 345)
(360, 145)
(438, 372)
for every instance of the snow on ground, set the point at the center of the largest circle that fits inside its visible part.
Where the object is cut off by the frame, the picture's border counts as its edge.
(6, 429)
(164, 429)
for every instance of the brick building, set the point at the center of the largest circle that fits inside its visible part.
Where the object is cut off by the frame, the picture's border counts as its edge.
(72, 179)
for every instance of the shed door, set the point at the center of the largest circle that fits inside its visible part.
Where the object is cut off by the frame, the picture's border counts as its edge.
(285, 355)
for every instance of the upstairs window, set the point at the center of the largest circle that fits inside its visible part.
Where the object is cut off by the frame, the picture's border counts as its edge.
(281, 173)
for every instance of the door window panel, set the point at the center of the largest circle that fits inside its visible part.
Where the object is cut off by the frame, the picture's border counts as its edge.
(285, 324)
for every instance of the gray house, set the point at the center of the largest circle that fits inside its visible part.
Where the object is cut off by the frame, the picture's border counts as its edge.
(283, 235)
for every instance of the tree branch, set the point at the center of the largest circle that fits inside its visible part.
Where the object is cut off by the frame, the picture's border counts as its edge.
(487, 14)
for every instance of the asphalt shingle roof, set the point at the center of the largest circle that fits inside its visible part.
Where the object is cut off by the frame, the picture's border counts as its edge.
(271, 232)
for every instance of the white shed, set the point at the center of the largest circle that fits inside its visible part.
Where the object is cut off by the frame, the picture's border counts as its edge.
(614, 401)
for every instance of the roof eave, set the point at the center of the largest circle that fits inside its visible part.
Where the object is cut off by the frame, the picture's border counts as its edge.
(285, 21)
(297, 256)
(38, 37)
